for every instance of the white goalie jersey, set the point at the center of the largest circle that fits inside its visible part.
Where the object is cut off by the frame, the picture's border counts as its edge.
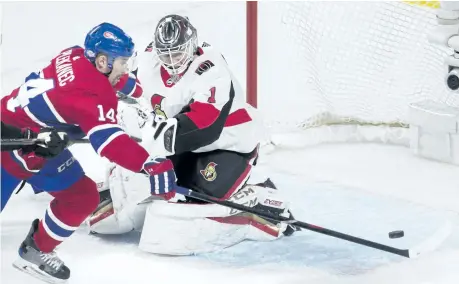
(207, 101)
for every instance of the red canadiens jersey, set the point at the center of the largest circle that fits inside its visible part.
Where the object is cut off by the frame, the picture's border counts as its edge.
(72, 96)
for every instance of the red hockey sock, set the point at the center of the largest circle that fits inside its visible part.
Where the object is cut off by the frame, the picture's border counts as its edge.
(69, 208)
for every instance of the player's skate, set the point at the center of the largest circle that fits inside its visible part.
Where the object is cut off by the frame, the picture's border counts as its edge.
(290, 228)
(44, 266)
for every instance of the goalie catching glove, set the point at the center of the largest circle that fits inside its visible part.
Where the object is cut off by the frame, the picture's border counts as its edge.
(159, 136)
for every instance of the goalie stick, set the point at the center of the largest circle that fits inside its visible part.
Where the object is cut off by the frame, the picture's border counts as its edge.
(429, 244)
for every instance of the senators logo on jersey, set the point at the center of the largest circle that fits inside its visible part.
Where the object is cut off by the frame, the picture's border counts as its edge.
(210, 172)
(158, 111)
(156, 101)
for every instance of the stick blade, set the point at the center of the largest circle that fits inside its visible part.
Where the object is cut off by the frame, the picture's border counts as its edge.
(433, 242)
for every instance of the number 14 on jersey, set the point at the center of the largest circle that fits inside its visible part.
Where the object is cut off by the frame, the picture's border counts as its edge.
(103, 116)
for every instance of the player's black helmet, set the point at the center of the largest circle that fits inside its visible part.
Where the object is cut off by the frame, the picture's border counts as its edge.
(175, 43)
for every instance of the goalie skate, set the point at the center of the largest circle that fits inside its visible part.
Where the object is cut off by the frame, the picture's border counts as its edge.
(290, 228)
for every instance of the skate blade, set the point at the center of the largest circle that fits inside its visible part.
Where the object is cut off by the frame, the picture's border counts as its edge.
(36, 272)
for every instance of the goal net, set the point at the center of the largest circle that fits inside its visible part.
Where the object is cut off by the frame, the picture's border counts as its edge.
(346, 71)
(327, 71)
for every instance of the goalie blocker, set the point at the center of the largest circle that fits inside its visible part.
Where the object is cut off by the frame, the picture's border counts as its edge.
(180, 226)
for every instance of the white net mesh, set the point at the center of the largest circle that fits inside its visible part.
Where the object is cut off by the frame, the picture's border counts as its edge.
(359, 63)
(320, 63)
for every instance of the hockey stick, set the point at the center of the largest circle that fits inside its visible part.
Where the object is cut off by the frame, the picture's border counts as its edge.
(21, 142)
(35, 141)
(428, 245)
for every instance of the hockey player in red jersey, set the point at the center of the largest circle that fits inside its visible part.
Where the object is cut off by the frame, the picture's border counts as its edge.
(73, 94)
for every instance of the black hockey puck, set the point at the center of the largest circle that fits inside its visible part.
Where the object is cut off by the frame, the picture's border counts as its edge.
(396, 234)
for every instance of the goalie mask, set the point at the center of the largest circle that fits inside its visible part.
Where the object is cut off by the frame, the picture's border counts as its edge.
(175, 43)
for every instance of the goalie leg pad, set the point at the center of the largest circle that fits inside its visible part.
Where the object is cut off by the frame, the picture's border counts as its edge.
(122, 211)
(190, 228)
(106, 221)
(184, 229)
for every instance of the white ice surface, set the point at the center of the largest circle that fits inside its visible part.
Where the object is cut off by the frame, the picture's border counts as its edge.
(364, 190)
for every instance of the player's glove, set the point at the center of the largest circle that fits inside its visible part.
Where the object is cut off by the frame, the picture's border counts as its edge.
(55, 143)
(162, 175)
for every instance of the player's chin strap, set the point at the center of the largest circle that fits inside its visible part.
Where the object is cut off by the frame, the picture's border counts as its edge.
(429, 245)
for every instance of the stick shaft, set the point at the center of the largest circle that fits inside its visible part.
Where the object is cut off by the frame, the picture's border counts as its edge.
(304, 225)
